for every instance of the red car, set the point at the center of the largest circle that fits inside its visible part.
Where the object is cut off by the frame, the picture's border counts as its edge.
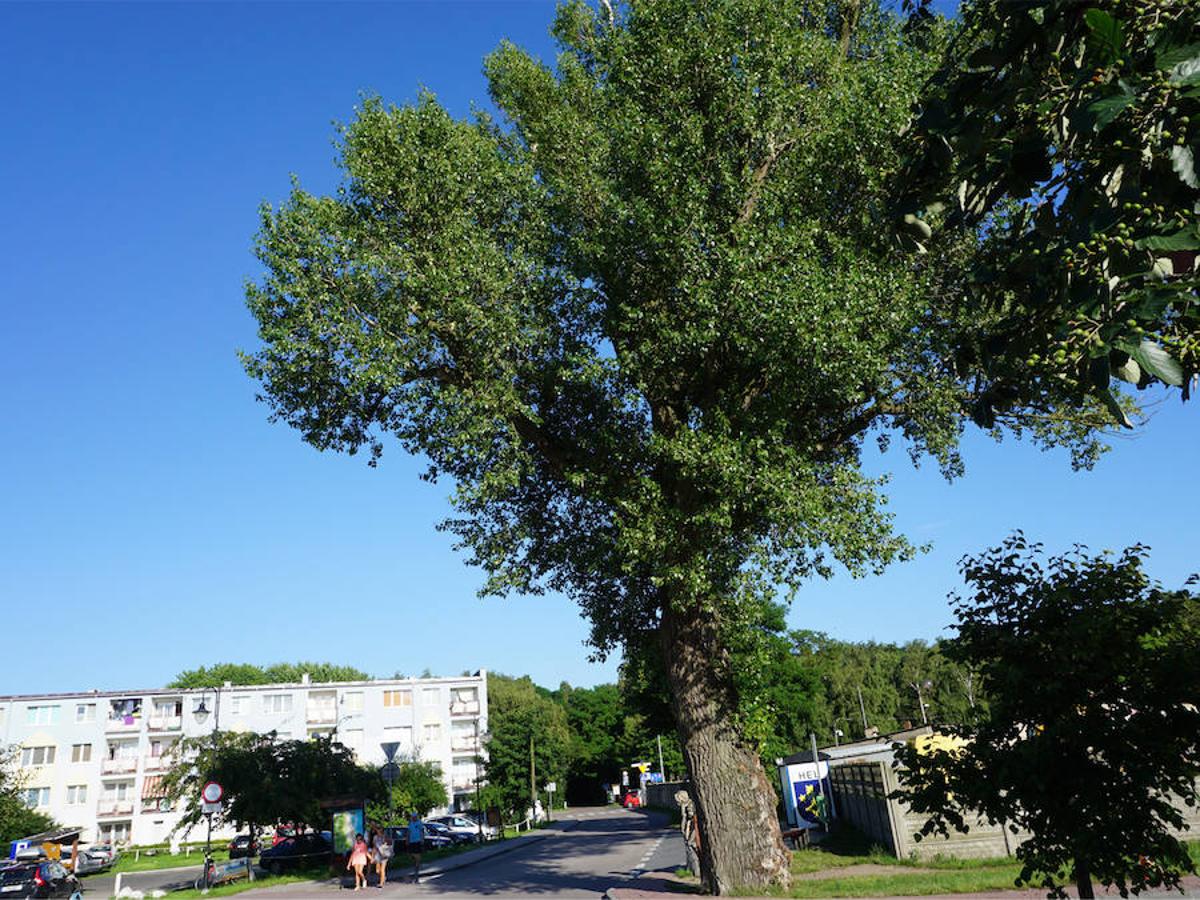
(632, 800)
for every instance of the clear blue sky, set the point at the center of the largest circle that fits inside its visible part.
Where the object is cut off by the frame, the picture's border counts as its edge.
(151, 515)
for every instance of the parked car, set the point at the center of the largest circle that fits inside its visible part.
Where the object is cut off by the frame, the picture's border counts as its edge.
(439, 834)
(632, 800)
(37, 879)
(87, 863)
(297, 852)
(242, 846)
(107, 853)
(461, 827)
(475, 817)
(436, 837)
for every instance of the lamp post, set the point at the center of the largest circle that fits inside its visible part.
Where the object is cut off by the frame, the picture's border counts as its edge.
(478, 806)
(917, 686)
(200, 714)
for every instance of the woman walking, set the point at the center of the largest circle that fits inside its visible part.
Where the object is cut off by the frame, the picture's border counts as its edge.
(358, 859)
(381, 847)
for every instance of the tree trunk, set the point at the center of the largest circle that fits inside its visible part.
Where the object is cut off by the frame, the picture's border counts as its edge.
(740, 843)
(1083, 881)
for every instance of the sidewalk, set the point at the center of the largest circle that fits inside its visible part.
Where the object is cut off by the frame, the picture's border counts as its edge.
(654, 885)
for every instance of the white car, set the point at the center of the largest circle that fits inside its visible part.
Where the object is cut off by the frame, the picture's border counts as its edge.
(461, 826)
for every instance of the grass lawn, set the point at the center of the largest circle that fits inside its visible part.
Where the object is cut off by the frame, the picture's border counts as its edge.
(164, 860)
(317, 874)
(939, 875)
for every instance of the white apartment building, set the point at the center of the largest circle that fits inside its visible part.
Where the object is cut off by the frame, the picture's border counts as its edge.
(96, 760)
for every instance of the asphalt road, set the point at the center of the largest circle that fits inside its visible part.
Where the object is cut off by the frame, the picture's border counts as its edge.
(587, 852)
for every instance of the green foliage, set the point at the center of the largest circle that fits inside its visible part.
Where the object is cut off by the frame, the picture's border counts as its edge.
(279, 673)
(419, 785)
(644, 320)
(266, 780)
(16, 819)
(1090, 741)
(518, 711)
(1061, 140)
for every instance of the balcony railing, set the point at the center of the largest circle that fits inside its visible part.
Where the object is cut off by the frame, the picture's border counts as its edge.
(463, 784)
(118, 766)
(464, 745)
(155, 763)
(322, 716)
(464, 708)
(132, 724)
(114, 808)
(166, 723)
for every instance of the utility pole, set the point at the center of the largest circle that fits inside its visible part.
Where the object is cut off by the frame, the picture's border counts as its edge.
(661, 769)
(532, 777)
(862, 708)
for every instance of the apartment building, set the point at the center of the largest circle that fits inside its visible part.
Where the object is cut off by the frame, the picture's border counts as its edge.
(96, 760)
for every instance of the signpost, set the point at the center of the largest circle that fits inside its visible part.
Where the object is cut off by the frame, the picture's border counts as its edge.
(389, 772)
(551, 787)
(211, 796)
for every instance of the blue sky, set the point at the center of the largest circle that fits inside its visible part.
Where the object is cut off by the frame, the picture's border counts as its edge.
(154, 519)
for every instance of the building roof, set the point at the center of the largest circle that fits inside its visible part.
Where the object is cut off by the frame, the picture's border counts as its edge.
(177, 692)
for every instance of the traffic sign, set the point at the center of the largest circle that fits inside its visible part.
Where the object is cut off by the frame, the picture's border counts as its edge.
(390, 772)
(389, 749)
(551, 787)
(212, 793)
(210, 809)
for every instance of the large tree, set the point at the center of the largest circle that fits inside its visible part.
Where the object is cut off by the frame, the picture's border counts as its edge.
(17, 819)
(277, 673)
(526, 729)
(1092, 739)
(644, 320)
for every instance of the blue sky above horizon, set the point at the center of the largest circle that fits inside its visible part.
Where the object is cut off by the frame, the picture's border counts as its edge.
(155, 518)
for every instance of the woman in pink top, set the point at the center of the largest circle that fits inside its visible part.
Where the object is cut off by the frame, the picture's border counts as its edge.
(358, 859)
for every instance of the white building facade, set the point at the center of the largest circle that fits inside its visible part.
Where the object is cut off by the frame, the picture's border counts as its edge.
(96, 760)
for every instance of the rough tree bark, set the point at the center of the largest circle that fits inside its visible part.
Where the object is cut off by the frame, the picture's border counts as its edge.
(740, 843)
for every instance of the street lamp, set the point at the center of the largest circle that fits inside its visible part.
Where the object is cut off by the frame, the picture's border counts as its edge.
(201, 714)
(917, 686)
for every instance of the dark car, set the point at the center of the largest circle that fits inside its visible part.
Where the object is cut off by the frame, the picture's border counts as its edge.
(438, 834)
(37, 879)
(300, 851)
(435, 838)
(242, 846)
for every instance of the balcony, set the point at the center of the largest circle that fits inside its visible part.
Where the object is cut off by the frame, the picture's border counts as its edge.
(166, 723)
(462, 785)
(127, 724)
(155, 764)
(464, 744)
(322, 716)
(464, 708)
(118, 766)
(109, 808)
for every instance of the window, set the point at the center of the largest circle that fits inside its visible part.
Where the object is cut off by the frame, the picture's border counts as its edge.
(37, 756)
(114, 832)
(81, 753)
(277, 703)
(397, 698)
(85, 712)
(36, 798)
(76, 794)
(239, 704)
(41, 715)
(116, 791)
(353, 701)
(168, 709)
(431, 696)
(127, 710)
(432, 733)
(160, 749)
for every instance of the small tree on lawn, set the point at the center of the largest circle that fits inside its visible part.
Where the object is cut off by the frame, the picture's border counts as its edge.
(418, 785)
(1091, 741)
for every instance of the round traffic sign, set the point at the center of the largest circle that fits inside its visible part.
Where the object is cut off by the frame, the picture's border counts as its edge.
(212, 793)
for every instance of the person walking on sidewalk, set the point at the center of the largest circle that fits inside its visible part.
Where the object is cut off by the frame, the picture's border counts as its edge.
(358, 859)
(416, 838)
(381, 847)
